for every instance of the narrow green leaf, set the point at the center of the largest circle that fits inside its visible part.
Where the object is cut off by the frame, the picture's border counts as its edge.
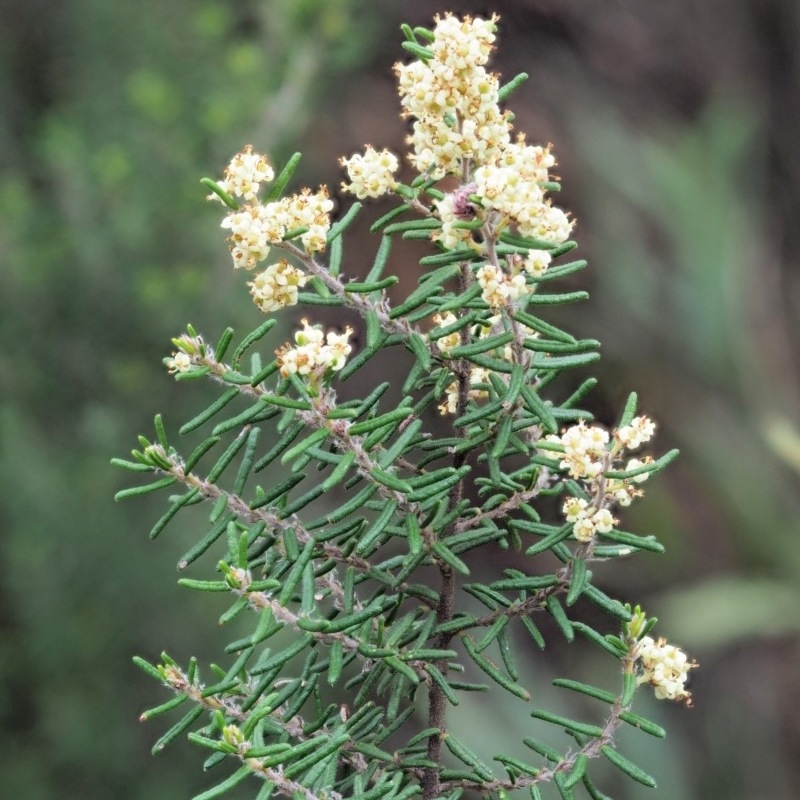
(316, 437)
(220, 192)
(135, 491)
(341, 225)
(442, 683)
(493, 671)
(583, 728)
(577, 772)
(628, 767)
(599, 640)
(355, 619)
(608, 604)
(557, 612)
(389, 418)
(296, 573)
(213, 534)
(630, 410)
(177, 729)
(182, 501)
(387, 218)
(512, 85)
(552, 539)
(204, 586)
(133, 466)
(354, 504)
(283, 178)
(592, 790)
(226, 785)
(331, 746)
(301, 502)
(543, 749)
(538, 407)
(381, 259)
(632, 540)
(280, 658)
(225, 459)
(654, 466)
(533, 631)
(148, 668)
(578, 582)
(361, 287)
(585, 688)
(450, 558)
(161, 433)
(389, 480)
(468, 757)
(335, 662)
(247, 461)
(525, 583)
(514, 765)
(492, 633)
(287, 437)
(482, 345)
(377, 528)
(339, 471)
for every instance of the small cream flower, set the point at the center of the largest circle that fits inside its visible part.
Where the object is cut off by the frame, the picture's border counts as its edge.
(180, 362)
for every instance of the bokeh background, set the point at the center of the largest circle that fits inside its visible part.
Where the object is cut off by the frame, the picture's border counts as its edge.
(676, 128)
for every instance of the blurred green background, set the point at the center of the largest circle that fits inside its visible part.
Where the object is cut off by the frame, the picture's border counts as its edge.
(676, 128)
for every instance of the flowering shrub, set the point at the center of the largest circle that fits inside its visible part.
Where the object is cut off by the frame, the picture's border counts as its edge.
(352, 562)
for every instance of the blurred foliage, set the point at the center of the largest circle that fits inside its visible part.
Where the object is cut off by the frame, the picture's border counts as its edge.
(675, 126)
(111, 113)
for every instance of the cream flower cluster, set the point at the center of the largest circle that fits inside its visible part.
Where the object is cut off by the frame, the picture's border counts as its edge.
(666, 668)
(587, 520)
(586, 457)
(500, 287)
(459, 129)
(277, 286)
(453, 99)
(244, 175)
(255, 227)
(371, 174)
(316, 352)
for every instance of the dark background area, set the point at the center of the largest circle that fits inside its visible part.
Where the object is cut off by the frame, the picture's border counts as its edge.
(676, 128)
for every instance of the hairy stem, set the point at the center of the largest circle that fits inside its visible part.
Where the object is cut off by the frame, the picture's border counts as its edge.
(437, 702)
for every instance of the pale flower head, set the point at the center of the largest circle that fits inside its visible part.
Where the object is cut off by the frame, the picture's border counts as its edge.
(640, 430)
(277, 286)
(665, 667)
(371, 174)
(316, 353)
(244, 175)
